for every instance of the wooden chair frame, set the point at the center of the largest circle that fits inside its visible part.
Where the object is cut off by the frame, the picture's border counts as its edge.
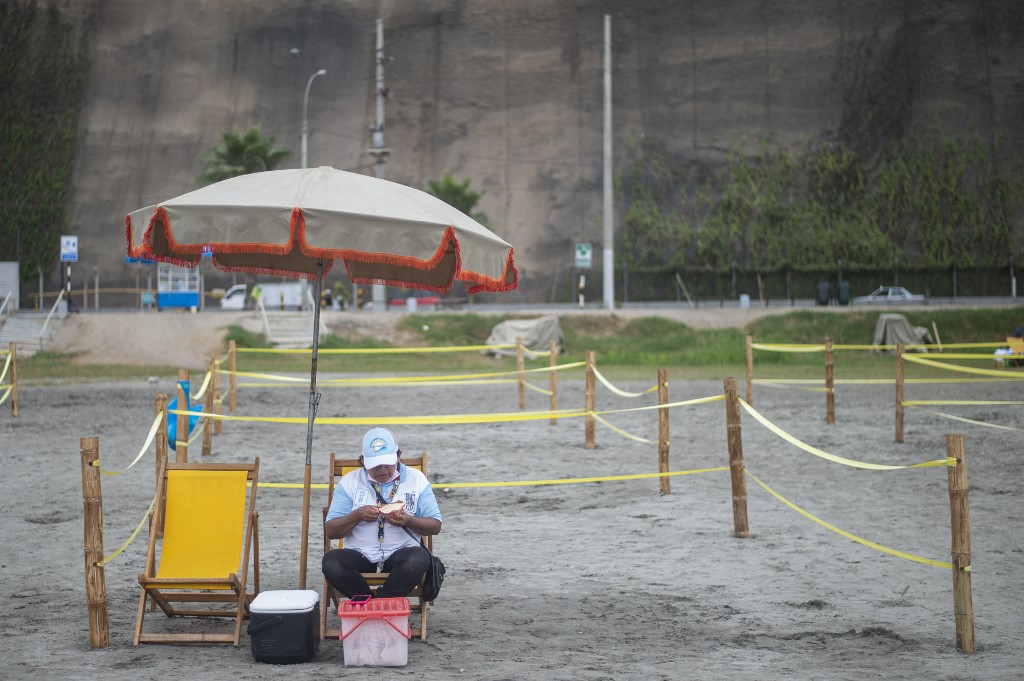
(167, 593)
(331, 598)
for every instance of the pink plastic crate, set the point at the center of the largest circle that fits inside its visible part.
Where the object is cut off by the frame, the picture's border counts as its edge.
(375, 633)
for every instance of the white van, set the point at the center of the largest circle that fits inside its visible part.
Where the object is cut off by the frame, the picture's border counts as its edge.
(287, 295)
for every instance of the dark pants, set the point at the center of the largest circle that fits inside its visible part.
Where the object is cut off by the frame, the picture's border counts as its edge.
(342, 568)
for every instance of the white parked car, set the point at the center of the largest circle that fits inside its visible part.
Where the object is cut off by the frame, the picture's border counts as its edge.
(889, 294)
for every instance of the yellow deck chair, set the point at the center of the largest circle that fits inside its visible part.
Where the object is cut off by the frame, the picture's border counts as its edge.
(1017, 347)
(330, 598)
(209, 529)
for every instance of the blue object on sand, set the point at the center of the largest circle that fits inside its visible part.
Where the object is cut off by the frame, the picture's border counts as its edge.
(172, 420)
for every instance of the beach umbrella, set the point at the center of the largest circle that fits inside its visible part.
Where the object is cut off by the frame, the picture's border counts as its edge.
(297, 223)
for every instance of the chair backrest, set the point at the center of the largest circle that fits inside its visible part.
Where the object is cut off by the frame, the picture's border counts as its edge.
(205, 519)
(340, 467)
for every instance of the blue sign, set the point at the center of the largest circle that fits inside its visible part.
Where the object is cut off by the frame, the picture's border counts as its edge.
(68, 248)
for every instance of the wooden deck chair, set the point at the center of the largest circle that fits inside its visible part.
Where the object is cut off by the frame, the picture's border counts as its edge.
(209, 529)
(1017, 347)
(331, 598)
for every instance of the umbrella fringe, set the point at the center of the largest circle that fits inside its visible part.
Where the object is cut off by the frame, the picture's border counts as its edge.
(475, 281)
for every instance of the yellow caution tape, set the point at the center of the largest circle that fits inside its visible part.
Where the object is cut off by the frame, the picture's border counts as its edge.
(670, 405)
(624, 433)
(832, 457)
(618, 391)
(784, 385)
(441, 419)
(914, 403)
(290, 485)
(383, 380)
(115, 554)
(576, 481)
(815, 347)
(964, 346)
(848, 535)
(393, 384)
(963, 419)
(202, 389)
(879, 381)
(527, 483)
(376, 351)
(542, 391)
(7, 365)
(198, 428)
(954, 367)
(145, 447)
(7, 393)
(970, 355)
(787, 348)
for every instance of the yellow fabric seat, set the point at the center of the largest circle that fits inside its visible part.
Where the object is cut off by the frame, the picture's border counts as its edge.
(209, 532)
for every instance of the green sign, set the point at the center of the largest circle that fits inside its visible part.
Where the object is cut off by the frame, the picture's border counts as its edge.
(584, 256)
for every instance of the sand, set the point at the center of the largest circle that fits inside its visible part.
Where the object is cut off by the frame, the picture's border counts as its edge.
(593, 581)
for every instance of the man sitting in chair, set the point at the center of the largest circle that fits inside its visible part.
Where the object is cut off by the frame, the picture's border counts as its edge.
(376, 541)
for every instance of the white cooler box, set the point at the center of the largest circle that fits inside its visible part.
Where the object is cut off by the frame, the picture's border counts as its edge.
(284, 626)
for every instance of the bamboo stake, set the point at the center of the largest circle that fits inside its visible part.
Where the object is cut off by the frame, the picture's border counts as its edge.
(750, 369)
(521, 375)
(938, 341)
(589, 404)
(553, 380)
(960, 526)
(899, 392)
(95, 582)
(208, 408)
(231, 377)
(664, 486)
(217, 424)
(162, 400)
(734, 438)
(14, 378)
(181, 425)
(830, 388)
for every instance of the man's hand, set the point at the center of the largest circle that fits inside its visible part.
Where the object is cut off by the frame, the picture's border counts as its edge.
(397, 518)
(367, 514)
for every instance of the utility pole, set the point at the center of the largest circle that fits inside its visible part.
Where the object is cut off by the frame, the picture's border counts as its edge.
(378, 149)
(609, 253)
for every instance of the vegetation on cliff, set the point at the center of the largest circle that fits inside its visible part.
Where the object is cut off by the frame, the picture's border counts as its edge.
(928, 199)
(43, 76)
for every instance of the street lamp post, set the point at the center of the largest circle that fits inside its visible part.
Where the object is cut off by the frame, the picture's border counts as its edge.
(305, 116)
(305, 156)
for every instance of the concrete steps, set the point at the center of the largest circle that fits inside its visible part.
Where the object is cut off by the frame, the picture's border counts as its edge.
(24, 328)
(291, 330)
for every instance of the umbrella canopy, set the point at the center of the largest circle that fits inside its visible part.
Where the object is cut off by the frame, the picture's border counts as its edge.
(284, 221)
(296, 223)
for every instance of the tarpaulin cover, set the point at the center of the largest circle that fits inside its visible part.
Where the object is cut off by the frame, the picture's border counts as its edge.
(537, 334)
(891, 329)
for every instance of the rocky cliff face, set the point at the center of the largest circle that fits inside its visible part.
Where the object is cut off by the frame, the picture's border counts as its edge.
(508, 94)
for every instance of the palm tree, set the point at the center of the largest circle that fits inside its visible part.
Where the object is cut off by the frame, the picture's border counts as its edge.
(458, 195)
(240, 154)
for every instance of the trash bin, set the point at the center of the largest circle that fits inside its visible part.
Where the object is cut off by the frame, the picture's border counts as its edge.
(824, 295)
(843, 293)
(744, 301)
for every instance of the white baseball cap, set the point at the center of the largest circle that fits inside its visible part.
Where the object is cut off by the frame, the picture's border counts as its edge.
(379, 448)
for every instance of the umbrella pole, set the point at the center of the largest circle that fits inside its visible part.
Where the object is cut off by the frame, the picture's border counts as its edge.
(314, 401)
